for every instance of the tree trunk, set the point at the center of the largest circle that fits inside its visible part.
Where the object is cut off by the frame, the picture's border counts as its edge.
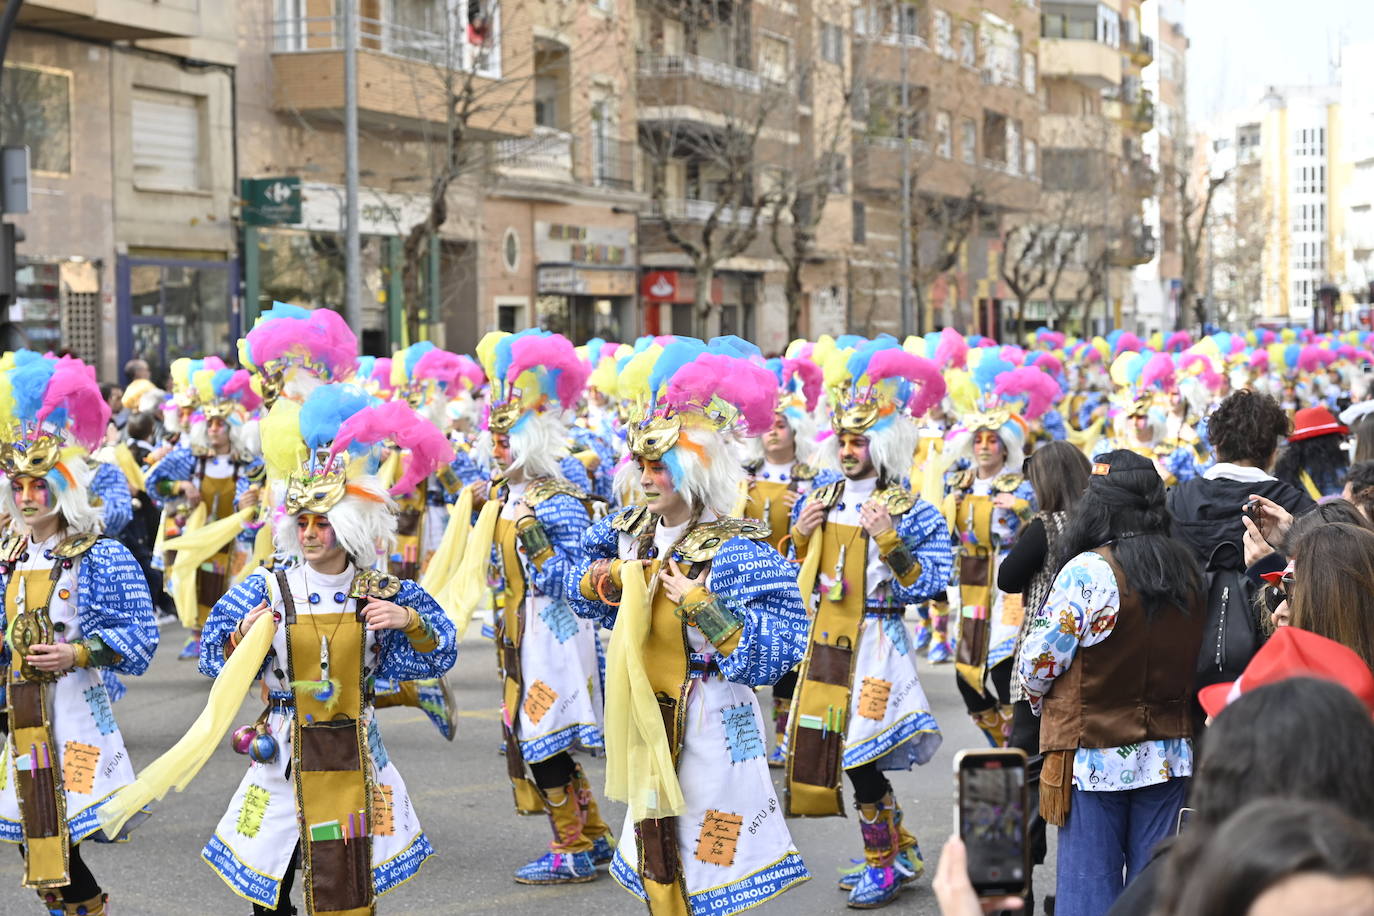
(702, 306)
(795, 299)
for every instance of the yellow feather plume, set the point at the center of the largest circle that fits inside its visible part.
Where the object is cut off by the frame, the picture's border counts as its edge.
(181, 374)
(916, 346)
(283, 449)
(962, 391)
(633, 383)
(486, 352)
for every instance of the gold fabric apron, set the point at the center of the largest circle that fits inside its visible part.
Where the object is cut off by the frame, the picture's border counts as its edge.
(510, 628)
(767, 502)
(666, 651)
(410, 525)
(331, 763)
(820, 708)
(972, 514)
(212, 579)
(38, 777)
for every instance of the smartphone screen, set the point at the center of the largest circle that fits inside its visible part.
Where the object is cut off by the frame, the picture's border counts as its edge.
(992, 820)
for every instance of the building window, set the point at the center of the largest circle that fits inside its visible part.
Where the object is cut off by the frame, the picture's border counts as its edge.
(944, 141)
(860, 223)
(995, 133)
(38, 114)
(773, 59)
(510, 250)
(1028, 71)
(968, 140)
(166, 140)
(1031, 162)
(968, 45)
(1013, 146)
(833, 168)
(832, 43)
(944, 35)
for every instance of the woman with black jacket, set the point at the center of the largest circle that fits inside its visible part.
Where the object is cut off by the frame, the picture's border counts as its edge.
(1059, 474)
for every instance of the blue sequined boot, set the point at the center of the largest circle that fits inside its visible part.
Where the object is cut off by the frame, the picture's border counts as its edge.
(884, 874)
(569, 859)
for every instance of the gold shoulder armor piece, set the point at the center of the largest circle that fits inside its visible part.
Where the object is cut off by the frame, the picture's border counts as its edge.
(897, 500)
(634, 522)
(753, 467)
(1007, 483)
(962, 480)
(804, 471)
(829, 495)
(75, 546)
(373, 584)
(540, 490)
(701, 544)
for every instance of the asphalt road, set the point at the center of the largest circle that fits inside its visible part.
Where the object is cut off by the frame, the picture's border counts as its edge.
(464, 802)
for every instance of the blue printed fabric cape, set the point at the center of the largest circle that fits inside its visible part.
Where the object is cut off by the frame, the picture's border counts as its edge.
(749, 577)
(180, 465)
(109, 483)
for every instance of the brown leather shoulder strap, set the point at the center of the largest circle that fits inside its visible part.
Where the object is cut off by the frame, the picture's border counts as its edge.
(288, 603)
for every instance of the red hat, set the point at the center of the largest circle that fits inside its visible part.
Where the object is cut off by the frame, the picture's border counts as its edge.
(1315, 421)
(1292, 652)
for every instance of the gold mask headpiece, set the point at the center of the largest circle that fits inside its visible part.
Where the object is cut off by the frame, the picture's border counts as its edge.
(993, 419)
(506, 414)
(653, 437)
(856, 415)
(319, 490)
(31, 457)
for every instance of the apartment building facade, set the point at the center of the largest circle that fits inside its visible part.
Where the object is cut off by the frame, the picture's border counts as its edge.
(129, 246)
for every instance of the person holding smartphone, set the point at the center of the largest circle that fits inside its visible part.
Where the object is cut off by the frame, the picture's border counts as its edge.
(1108, 663)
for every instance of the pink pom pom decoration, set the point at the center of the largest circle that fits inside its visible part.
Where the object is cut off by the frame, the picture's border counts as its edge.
(752, 389)
(324, 338)
(812, 379)
(439, 365)
(73, 387)
(1039, 390)
(1313, 357)
(470, 373)
(952, 350)
(397, 422)
(1128, 341)
(556, 355)
(1178, 342)
(1014, 355)
(1054, 340)
(1158, 372)
(1259, 359)
(240, 387)
(897, 363)
(1050, 363)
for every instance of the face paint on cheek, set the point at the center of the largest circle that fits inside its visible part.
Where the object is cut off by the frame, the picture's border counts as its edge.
(33, 490)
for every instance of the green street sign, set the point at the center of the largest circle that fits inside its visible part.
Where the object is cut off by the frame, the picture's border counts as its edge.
(271, 201)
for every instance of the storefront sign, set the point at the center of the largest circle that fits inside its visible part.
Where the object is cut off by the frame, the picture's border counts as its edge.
(583, 246)
(676, 286)
(576, 281)
(379, 212)
(271, 201)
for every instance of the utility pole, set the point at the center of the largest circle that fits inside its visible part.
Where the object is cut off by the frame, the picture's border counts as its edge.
(904, 284)
(353, 310)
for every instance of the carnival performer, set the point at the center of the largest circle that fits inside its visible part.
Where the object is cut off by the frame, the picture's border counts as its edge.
(859, 707)
(1315, 459)
(320, 790)
(703, 612)
(986, 505)
(526, 538)
(215, 474)
(1141, 423)
(76, 605)
(776, 479)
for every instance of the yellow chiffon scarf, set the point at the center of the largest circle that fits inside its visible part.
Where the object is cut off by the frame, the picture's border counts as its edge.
(639, 763)
(198, 543)
(441, 578)
(176, 768)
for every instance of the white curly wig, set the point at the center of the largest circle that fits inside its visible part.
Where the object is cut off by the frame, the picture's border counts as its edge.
(891, 447)
(538, 443)
(708, 476)
(364, 522)
(73, 500)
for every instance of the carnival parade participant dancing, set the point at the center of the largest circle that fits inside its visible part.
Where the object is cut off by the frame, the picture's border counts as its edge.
(986, 506)
(76, 604)
(527, 537)
(868, 548)
(320, 790)
(776, 480)
(703, 611)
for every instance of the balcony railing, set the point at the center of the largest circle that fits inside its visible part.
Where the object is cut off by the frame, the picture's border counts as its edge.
(707, 69)
(613, 163)
(454, 50)
(545, 155)
(697, 211)
(1143, 51)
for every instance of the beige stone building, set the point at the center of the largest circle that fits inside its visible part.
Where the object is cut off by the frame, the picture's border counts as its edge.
(126, 107)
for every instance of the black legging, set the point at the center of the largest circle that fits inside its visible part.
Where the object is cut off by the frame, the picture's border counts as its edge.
(283, 907)
(786, 686)
(976, 701)
(83, 885)
(555, 772)
(870, 785)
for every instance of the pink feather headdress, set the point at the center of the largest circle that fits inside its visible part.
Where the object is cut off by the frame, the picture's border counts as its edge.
(240, 388)
(563, 376)
(1041, 391)
(395, 421)
(952, 350)
(810, 375)
(895, 363)
(750, 388)
(1313, 357)
(73, 388)
(1158, 372)
(323, 342)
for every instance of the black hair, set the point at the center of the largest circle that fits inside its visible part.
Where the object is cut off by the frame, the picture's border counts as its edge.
(1247, 426)
(1254, 748)
(1321, 457)
(1124, 509)
(1267, 842)
(141, 425)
